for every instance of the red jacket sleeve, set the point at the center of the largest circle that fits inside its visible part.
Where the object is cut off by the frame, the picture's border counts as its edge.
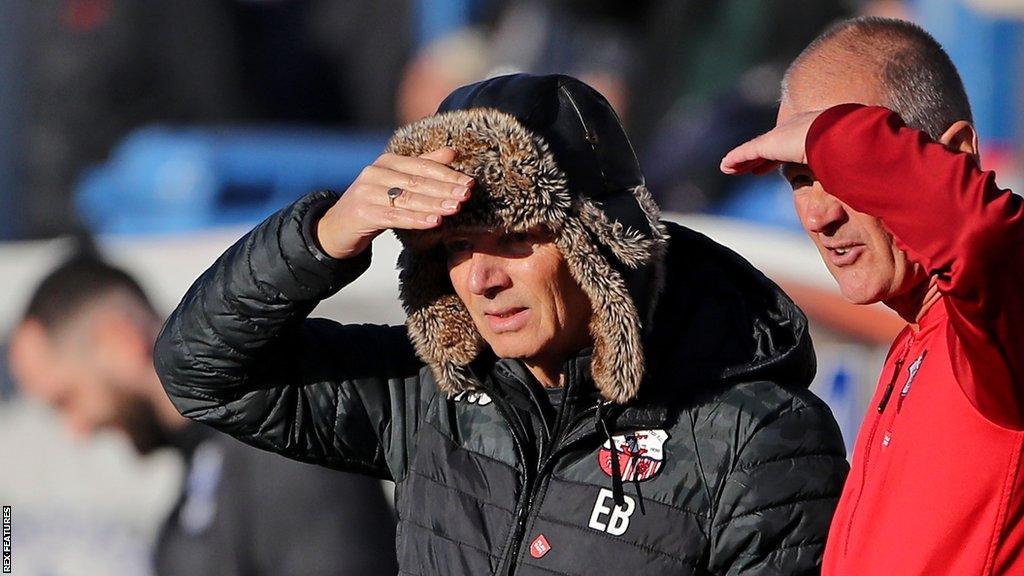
(948, 215)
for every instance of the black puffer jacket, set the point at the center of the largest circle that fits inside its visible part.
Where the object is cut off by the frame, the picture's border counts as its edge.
(744, 479)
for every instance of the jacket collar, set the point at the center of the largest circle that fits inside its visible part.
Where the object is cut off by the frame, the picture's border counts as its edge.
(582, 393)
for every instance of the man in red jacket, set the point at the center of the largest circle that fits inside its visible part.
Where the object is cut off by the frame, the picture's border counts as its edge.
(874, 133)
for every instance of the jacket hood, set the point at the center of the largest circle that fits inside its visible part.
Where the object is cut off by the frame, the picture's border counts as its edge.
(721, 321)
(545, 151)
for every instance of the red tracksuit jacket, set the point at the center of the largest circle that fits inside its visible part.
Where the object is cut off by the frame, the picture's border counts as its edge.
(936, 485)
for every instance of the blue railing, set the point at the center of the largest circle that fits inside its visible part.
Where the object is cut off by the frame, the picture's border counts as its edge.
(163, 179)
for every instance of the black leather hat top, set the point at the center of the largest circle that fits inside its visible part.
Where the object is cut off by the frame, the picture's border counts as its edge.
(580, 127)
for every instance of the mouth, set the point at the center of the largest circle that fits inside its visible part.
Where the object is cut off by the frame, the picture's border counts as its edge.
(841, 255)
(507, 319)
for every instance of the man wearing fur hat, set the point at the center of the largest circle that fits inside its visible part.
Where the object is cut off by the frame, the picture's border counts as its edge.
(579, 388)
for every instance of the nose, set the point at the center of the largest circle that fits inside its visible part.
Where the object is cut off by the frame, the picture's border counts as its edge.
(488, 274)
(819, 211)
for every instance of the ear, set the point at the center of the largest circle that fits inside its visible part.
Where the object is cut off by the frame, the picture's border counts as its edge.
(27, 342)
(119, 342)
(962, 137)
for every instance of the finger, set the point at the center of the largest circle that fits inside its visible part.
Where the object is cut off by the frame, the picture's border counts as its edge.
(765, 167)
(742, 158)
(756, 166)
(423, 167)
(444, 155)
(388, 178)
(418, 202)
(383, 217)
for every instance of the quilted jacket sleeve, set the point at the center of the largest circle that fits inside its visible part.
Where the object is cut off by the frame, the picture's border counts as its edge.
(775, 506)
(239, 354)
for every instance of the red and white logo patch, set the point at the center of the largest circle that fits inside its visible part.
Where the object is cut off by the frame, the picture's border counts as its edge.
(641, 454)
(539, 547)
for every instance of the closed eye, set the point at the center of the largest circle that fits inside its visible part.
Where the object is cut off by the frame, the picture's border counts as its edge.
(517, 238)
(801, 180)
(515, 243)
(457, 246)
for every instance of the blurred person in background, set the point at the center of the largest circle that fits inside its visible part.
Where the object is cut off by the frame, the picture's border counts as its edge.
(593, 40)
(85, 348)
(875, 136)
(688, 78)
(580, 388)
(706, 77)
(97, 69)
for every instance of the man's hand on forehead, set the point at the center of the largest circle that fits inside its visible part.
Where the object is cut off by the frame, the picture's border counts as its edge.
(397, 192)
(784, 144)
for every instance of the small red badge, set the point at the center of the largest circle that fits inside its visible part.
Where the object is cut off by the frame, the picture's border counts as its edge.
(539, 547)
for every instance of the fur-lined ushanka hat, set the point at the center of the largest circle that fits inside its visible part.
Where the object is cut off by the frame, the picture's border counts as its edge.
(545, 151)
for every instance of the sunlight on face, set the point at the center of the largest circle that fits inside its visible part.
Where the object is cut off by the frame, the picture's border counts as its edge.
(857, 249)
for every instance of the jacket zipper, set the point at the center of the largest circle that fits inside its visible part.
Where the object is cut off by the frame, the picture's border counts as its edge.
(580, 431)
(883, 403)
(542, 481)
(524, 512)
(521, 506)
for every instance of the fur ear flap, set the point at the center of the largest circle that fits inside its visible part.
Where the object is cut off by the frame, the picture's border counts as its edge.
(453, 378)
(617, 361)
(632, 247)
(441, 328)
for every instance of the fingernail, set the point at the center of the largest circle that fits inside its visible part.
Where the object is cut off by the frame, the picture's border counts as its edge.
(449, 204)
(467, 181)
(462, 192)
(433, 219)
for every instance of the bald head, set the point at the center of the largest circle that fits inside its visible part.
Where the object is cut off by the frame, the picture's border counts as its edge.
(881, 61)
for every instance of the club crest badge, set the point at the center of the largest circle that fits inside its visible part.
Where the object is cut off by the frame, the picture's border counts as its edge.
(641, 454)
(539, 547)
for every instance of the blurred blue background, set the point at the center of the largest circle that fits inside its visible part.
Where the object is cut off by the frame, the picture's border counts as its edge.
(136, 117)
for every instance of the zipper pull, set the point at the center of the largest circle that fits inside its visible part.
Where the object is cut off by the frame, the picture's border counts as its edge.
(889, 387)
(618, 494)
(895, 374)
(885, 398)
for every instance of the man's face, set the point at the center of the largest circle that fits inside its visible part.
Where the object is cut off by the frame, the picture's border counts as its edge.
(88, 393)
(519, 291)
(858, 250)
